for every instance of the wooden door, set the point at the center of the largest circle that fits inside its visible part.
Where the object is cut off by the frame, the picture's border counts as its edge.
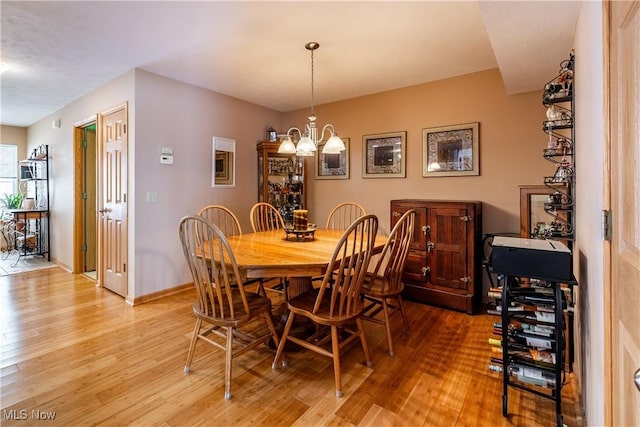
(114, 200)
(448, 242)
(624, 181)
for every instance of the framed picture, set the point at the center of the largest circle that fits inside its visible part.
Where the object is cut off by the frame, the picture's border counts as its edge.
(223, 162)
(333, 166)
(384, 155)
(451, 150)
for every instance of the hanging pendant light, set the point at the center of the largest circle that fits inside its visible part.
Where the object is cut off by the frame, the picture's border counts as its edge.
(308, 143)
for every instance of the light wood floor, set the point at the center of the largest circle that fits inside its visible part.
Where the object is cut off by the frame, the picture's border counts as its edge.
(80, 352)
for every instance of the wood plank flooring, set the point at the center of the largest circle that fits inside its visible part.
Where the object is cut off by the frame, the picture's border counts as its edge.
(76, 355)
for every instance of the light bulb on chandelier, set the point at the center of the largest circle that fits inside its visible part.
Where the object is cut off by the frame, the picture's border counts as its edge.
(309, 140)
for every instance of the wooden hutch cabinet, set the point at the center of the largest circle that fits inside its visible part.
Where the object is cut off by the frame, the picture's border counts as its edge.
(280, 179)
(443, 266)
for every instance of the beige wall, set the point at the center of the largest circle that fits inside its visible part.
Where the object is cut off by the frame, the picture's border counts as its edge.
(61, 156)
(185, 117)
(588, 249)
(511, 143)
(14, 135)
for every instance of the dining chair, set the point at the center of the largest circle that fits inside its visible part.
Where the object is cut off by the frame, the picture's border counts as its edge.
(382, 287)
(341, 217)
(339, 306)
(222, 218)
(225, 315)
(265, 217)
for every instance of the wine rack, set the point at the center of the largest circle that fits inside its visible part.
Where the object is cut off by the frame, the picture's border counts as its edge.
(558, 98)
(532, 301)
(532, 339)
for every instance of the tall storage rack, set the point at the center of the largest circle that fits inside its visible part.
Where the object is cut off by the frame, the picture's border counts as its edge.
(558, 98)
(536, 310)
(34, 237)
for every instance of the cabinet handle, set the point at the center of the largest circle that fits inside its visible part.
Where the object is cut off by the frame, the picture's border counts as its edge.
(465, 279)
(395, 213)
(430, 246)
(426, 229)
(426, 270)
(466, 218)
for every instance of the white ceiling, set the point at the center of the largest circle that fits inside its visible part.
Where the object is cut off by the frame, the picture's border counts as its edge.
(60, 51)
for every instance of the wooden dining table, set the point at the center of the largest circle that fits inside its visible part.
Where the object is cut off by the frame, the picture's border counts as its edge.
(272, 254)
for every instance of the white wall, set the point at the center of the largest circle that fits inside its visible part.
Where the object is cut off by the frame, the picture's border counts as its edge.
(185, 117)
(61, 156)
(589, 100)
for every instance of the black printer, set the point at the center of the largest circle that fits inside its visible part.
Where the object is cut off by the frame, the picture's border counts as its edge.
(534, 258)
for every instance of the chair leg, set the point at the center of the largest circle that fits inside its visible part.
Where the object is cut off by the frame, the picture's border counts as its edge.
(261, 290)
(274, 334)
(363, 340)
(335, 350)
(228, 359)
(192, 345)
(283, 341)
(387, 325)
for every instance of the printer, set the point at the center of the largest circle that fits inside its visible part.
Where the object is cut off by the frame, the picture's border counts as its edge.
(548, 260)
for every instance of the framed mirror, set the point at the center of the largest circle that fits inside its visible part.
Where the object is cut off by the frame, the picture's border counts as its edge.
(534, 220)
(223, 162)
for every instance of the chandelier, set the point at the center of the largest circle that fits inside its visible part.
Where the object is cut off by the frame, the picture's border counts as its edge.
(308, 143)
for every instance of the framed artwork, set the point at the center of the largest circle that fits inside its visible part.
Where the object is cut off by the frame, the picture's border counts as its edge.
(384, 155)
(451, 150)
(223, 162)
(333, 166)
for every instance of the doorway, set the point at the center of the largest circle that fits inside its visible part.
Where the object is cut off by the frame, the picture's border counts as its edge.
(85, 146)
(90, 232)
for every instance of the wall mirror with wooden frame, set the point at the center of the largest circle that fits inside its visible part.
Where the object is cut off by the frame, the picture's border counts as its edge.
(534, 220)
(223, 162)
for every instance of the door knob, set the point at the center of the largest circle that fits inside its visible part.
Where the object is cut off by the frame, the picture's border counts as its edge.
(636, 379)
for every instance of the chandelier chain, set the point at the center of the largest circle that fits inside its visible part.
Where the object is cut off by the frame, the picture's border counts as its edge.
(312, 92)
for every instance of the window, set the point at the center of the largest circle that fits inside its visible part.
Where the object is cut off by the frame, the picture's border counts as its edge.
(8, 169)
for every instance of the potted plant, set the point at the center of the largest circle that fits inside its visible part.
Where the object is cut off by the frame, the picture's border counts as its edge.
(12, 201)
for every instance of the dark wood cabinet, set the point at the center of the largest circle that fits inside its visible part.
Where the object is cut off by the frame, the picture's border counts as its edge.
(443, 264)
(281, 180)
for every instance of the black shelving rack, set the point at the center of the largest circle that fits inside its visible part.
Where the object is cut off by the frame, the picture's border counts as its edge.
(35, 239)
(558, 98)
(554, 298)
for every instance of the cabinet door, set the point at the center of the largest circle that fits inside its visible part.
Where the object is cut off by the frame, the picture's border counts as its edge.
(449, 251)
(415, 267)
(419, 242)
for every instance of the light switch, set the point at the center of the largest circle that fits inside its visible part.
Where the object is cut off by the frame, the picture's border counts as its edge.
(166, 159)
(152, 197)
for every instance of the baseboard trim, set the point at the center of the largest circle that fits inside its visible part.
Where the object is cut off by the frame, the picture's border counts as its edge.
(160, 294)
